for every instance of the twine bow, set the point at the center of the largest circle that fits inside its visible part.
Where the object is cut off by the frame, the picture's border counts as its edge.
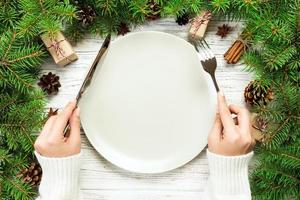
(58, 50)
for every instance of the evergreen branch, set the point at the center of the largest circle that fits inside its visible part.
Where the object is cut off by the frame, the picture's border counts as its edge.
(17, 185)
(9, 46)
(273, 133)
(28, 85)
(41, 5)
(25, 29)
(19, 102)
(35, 54)
(290, 156)
(21, 126)
(24, 192)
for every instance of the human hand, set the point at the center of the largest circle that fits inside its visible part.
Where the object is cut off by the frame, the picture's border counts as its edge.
(227, 138)
(51, 141)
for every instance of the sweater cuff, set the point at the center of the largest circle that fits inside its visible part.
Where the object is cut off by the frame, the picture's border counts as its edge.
(60, 179)
(229, 174)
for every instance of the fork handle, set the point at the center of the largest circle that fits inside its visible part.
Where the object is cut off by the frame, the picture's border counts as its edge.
(215, 82)
(66, 132)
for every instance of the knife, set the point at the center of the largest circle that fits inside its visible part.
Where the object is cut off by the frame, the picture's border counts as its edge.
(89, 77)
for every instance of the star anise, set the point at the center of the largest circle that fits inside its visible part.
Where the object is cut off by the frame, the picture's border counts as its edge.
(224, 30)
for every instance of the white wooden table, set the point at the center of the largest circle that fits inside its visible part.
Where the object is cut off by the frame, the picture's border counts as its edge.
(101, 179)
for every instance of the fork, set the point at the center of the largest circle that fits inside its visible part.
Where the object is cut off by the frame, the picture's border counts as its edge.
(207, 58)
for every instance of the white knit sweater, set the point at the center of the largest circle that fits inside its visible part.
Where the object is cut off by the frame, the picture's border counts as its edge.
(228, 179)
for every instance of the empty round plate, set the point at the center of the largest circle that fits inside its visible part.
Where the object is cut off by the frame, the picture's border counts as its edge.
(149, 107)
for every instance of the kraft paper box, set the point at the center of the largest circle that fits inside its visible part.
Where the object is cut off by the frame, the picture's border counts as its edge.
(199, 25)
(60, 49)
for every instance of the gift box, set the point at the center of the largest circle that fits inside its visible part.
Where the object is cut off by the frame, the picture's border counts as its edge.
(199, 25)
(60, 49)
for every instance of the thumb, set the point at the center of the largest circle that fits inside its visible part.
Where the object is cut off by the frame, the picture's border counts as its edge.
(74, 137)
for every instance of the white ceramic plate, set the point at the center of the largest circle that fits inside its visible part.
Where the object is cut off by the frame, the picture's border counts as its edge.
(149, 107)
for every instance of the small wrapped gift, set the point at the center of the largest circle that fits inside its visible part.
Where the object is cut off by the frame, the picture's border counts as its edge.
(199, 25)
(60, 49)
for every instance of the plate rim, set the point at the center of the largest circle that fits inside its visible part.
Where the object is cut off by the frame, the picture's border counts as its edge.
(118, 161)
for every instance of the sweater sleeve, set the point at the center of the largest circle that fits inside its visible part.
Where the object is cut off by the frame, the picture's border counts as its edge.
(228, 179)
(60, 179)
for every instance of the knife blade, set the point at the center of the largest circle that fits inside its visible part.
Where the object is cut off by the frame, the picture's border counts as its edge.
(89, 77)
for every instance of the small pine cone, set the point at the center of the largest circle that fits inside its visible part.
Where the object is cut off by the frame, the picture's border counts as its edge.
(49, 83)
(154, 10)
(255, 94)
(183, 19)
(32, 174)
(123, 29)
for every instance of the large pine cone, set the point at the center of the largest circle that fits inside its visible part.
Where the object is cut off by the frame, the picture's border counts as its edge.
(256, 94)
(32, 174)
(49, 83)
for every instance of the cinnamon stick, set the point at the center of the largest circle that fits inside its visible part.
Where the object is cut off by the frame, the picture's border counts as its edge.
(238, 57)
(229, 51)
(234, 50)
(239, 49)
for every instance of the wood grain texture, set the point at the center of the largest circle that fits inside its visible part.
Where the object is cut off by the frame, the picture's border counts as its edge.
(101, 179)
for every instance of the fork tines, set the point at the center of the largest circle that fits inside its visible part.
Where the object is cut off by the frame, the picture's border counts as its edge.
(202, 48)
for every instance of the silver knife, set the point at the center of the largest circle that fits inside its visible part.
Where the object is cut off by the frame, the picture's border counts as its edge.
(89, 77)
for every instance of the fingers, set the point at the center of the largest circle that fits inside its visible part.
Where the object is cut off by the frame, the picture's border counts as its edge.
(63, 118)
(242, 115)
(47, 127)
(217, 128)
(74, 137)
(225, 114)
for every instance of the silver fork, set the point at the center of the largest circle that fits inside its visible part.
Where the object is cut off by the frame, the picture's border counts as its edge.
(207, 58)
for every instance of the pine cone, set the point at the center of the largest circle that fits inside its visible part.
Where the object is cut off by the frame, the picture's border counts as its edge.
(223, 30)
(49, 83)
(86, 15)
(123, 29)
(32, 174)
(255, 94)
(155, 10)
(183, 19)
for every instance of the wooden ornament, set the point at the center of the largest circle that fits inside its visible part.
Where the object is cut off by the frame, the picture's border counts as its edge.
(234, 53)
(60, 49)
(199, 25)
